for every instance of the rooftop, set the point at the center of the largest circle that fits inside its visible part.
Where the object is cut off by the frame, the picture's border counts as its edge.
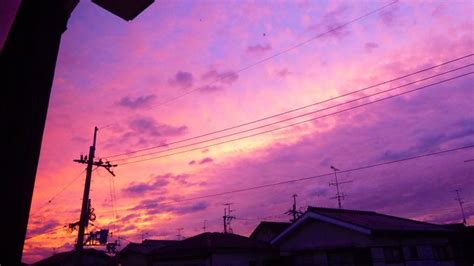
(274, 227)
(146, 246)
(376, 221)
(64, 258)
(205, 242)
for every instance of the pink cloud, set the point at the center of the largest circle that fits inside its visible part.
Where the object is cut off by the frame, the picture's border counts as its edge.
(258, 48)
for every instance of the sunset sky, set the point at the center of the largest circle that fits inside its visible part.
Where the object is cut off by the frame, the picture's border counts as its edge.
(187, 68)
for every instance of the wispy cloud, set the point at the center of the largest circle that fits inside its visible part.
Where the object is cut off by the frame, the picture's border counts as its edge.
(225, 77)
(206, 160)
(259, 48)
(155, 206)
(138, 102)
(370, 46)
(182, 80)
(149, 126)
(141, 188)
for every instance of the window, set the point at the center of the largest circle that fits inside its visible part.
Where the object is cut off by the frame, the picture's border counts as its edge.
(412, 252)
(442, 252)
(393, 254)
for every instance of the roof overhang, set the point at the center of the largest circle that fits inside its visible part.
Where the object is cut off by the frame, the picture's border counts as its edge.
(126, 9)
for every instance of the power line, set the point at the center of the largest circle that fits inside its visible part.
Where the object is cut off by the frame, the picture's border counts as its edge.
(275, 216)
(46, 232)
(285, 50)
(293, 47)
(58, 193)
(301, 122)
(289, 181)
(281, 215)
(260, 218)
(293, 110)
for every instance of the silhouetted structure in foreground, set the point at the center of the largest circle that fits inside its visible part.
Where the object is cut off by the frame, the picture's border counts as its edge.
(462, 242)
(324, 236)
(320, 237)
(267, 231)
(137, 254)
(216, 249)
(27, 65)
(91, 257)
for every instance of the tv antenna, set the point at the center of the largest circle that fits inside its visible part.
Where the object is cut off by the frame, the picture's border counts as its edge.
(339, 195)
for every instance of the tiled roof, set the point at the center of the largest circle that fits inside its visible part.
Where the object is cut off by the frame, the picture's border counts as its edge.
(146, 246)
(378, 222)
(68, 257)
(211, 241)
(274, 227)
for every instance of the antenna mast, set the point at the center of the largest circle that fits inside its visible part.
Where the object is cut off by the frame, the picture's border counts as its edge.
(179, 236)
(339, 195)
(228, 218)
(295, 213)
(461, 202)
(204, 227)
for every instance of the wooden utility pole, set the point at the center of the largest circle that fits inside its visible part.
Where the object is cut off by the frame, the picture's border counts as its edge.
(27, 65)
(84, 219)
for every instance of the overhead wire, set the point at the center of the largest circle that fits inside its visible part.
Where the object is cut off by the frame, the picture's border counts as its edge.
(295, 109)
(261, 61)
(54, 229)
(306, 178)
(275, 216)
(294, 180)
(300, 122)
(35, 213)
(295, 117)
(284, 51)
(334, 29)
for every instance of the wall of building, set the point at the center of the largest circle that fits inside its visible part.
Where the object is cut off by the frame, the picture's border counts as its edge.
(188, 262)
(226, 258)
(243, 258)
(309, 243)
(133, 260)
(316, 235)
(425, 257)
(264, 235)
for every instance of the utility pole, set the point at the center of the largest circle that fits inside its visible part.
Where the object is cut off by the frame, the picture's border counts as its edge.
(84, 219)
(295, 213)
(461, 202)
(339, 196)
(225, 221)
(228, 218)
(204, 227)
(143, 235)
(179, 236)
(27, 66)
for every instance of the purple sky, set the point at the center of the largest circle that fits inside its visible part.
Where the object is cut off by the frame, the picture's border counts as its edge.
(128, 78)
